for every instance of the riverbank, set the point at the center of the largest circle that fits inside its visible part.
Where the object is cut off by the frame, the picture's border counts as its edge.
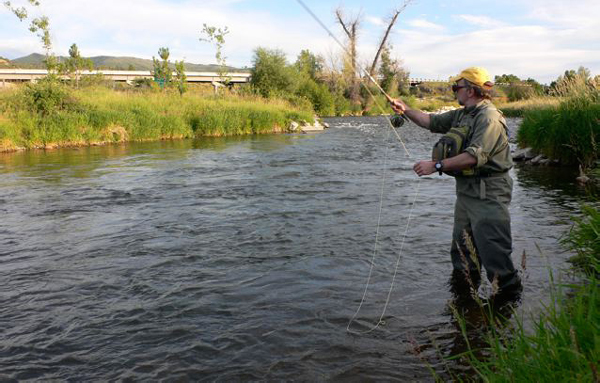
(48, 115)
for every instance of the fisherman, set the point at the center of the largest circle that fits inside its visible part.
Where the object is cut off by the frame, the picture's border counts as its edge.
(475, 151)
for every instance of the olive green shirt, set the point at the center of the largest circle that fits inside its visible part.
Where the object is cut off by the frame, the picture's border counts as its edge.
(487, 139)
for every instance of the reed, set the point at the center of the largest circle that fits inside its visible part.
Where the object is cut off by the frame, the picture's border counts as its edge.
(521, 107)
(563, 346)
(568, 131)
(100, 115)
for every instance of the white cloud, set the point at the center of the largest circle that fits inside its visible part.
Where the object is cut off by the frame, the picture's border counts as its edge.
(422, 23)
(376, 21)
(481, 21)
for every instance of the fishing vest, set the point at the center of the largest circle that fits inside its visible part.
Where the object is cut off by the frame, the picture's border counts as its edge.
(455, 141)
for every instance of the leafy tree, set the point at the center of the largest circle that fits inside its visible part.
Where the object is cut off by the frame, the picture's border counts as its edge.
(270, 74)
(506, 79)
(180, 77)
(40, 26)
(309, 64)
(162, 73)
(75, 64)
(217, 36)
(130, 67)
(394, 78)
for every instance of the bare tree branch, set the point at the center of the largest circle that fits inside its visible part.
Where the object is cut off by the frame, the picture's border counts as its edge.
(393, 19)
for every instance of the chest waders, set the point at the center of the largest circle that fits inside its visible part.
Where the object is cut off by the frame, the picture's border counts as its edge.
(481, 213)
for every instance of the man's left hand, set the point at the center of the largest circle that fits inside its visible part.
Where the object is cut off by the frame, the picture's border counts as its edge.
(424, 168)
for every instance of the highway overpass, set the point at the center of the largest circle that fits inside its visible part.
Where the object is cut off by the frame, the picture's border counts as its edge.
(26, 75)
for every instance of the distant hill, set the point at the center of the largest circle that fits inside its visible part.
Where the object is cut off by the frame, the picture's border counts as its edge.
(36, 61)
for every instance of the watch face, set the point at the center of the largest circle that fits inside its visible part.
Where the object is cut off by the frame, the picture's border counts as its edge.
(438, 166)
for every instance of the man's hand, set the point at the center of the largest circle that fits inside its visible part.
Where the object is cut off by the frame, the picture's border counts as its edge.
(398, 105)
(424, 168)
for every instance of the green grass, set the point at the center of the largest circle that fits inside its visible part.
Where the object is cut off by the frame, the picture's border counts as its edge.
(567, 131)
(65, 117)
(564, 345)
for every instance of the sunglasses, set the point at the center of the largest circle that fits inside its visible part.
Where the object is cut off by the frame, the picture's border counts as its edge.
(455, 87)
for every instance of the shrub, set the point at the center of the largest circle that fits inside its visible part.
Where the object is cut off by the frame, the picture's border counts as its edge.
(46, 96)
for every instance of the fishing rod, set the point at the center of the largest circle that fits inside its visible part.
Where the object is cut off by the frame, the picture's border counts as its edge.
(359, 67)
(380, 321)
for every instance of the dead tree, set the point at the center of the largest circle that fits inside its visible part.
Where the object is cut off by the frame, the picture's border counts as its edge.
(383, 41)
(350, 27)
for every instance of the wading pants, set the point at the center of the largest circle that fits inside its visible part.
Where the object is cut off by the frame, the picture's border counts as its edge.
(482, 211)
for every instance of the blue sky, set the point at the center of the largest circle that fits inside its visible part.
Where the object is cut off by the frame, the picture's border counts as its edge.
(434, 39)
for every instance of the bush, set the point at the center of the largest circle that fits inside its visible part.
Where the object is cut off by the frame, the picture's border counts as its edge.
(319, 96)
(46, 96)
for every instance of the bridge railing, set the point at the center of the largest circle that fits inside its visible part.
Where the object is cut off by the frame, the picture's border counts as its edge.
(122, 75)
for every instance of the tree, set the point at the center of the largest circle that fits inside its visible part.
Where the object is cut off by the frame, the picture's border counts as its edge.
(217, 36)
(75, 64)
(270, 74)
(506, 79)
(180, 77)
(386, 34)
(350, 28)
(40, 26)
(309, 64)
(162, 73)
(393, 76)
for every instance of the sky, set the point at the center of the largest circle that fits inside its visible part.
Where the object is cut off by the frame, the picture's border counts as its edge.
(434, 39)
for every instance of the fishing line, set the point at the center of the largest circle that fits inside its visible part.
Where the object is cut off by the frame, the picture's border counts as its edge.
(358, 66)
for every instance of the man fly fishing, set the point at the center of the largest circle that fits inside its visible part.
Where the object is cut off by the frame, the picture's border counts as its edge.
(475, 150)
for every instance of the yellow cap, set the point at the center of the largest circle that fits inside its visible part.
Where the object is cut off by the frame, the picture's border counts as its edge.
(477, 75)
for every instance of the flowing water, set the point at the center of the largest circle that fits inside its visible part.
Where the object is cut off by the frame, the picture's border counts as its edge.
(236, 259)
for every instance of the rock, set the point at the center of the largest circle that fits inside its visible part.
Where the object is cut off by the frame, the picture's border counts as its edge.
(523, 154)
(306, 127)
(545, 162)
(326, 125)
(582, 179)
(537, 159)
(294, 126)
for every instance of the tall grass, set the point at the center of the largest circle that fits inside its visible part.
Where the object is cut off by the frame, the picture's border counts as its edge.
(100, 115)
(563, 347)
(522, 107)
(584, 238)
(567, 132)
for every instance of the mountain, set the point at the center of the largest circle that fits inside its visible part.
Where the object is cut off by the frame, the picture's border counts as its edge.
(36, 61)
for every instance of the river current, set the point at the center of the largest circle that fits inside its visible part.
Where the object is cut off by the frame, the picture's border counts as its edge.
(244, 258)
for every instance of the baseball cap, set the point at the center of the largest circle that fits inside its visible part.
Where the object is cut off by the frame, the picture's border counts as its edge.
(477, 75)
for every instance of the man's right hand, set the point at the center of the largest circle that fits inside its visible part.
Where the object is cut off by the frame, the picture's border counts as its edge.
(398, 105)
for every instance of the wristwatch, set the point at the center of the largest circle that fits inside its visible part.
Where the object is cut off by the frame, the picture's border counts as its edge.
(439, 166)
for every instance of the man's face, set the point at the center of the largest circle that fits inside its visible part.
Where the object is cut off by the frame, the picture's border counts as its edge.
(462, 92)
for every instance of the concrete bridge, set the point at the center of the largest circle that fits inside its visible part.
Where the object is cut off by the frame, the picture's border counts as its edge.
(26, 75)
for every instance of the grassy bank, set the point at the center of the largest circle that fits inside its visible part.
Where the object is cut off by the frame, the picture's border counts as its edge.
(48, 115)
(566, 132)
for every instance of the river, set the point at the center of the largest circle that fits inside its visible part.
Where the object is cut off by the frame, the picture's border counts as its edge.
(244, 258)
